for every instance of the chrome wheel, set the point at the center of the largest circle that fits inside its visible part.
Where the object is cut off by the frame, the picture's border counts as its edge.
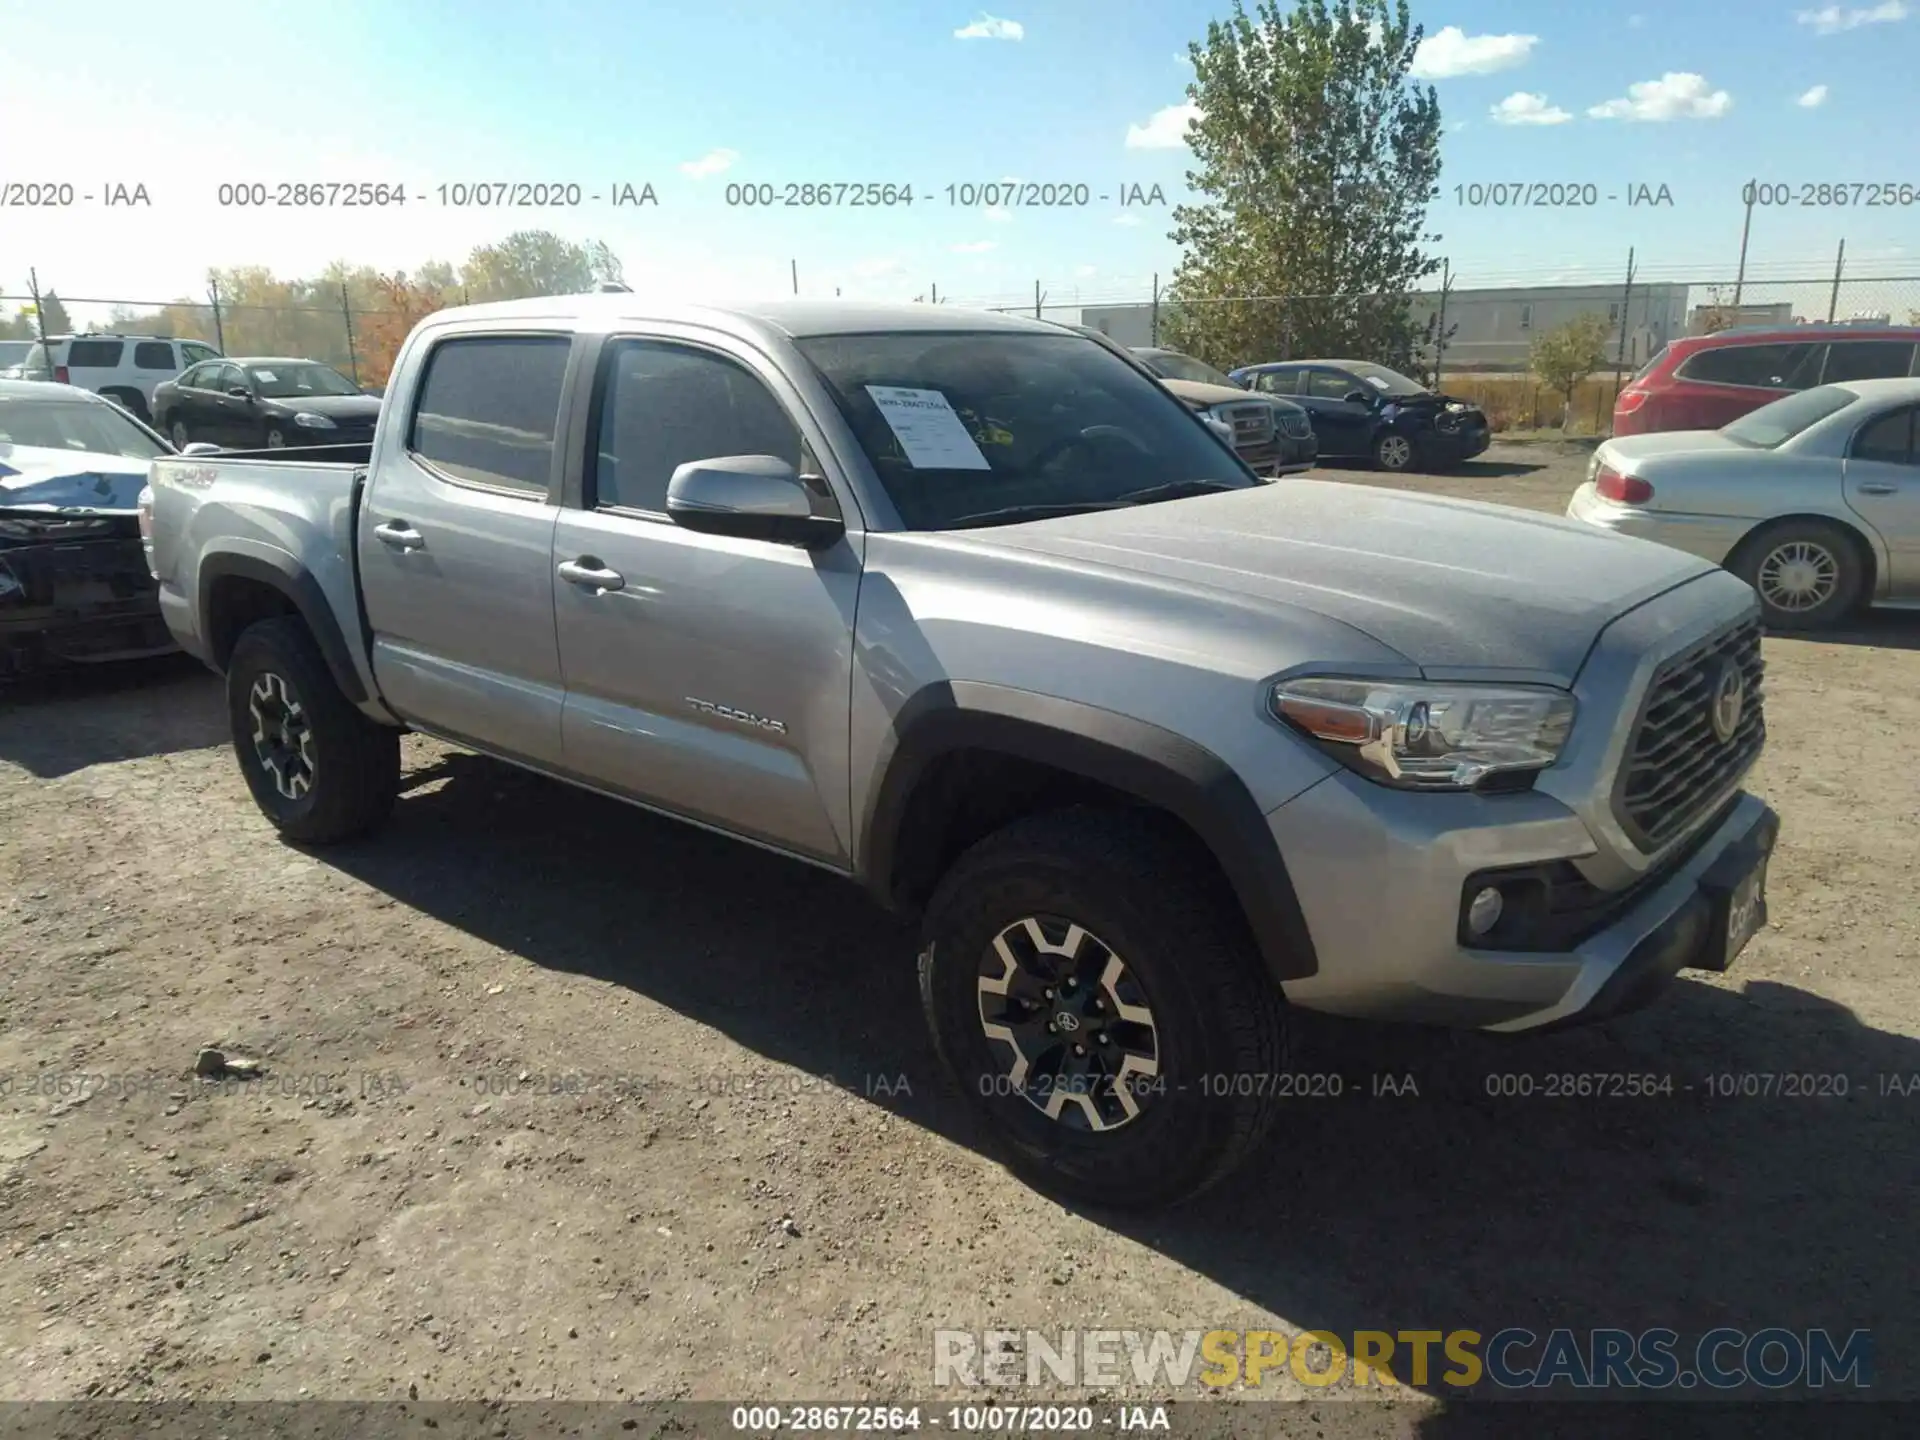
(1070, 1022)
(1798, 576)
(282, 736)
(1394, 452)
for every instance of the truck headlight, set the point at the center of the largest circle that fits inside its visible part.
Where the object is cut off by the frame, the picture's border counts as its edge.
(1428, 736)
(307, 420)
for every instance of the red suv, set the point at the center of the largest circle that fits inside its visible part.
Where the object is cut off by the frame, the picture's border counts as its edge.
(1701, 382)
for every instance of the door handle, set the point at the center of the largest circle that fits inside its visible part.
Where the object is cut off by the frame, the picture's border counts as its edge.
(1878, 487)
(398, 535)
(589, 574)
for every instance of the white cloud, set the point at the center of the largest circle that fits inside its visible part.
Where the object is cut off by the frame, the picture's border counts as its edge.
(975, 247)
(1166, 130)
(1521, 108)
(998, 214)
(711, 163)
(1635, 22)
(1813, 98)
(1676, 95)
(1125, 219)
(1081, 272)
(1458, 125)
(1451, 51)
(989, 27)
(1183, 59)
(1831, 19)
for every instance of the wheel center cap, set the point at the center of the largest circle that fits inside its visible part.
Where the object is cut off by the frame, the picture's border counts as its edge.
(1067, 1021)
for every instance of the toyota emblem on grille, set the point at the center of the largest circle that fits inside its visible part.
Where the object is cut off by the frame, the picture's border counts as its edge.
(1729, 699)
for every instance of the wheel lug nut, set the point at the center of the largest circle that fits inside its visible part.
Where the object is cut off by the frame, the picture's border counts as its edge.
(1047, 993)
(1079, 1049)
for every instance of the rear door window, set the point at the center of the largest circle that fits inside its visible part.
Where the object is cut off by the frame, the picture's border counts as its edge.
(1888, 440)
(153, 355)
(1277, 382)
(1766, 367)
(95, 354)
(1867, 360)
(489, 409)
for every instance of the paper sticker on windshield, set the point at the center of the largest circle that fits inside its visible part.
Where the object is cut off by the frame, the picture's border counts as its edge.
(265, 377)
(927, 428)
(1375, 381)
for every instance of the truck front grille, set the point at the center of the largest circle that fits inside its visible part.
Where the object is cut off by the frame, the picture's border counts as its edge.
(1677, 764)
(1294, 423)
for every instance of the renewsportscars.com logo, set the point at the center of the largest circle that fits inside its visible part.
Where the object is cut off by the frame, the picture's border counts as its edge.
(1511, 1359)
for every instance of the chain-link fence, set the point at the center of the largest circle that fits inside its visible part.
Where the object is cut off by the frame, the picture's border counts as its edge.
(1476, 341)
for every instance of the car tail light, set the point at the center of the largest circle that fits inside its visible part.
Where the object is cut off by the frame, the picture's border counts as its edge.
(144, 508)
(1628, 401)
(60, 375)
(1610, 484)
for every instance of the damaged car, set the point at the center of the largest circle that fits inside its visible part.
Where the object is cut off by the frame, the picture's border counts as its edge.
(75, 585)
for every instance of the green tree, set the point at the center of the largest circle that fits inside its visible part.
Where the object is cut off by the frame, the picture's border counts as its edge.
(1317, 159)
(1565, 355)
(54, 319)
(536, 262)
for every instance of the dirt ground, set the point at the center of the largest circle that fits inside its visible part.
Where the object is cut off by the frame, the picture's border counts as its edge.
(564, 1101)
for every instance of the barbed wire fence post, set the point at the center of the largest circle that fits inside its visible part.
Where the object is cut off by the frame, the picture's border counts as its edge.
(1833, 296)
(346, 314)
(219, 329)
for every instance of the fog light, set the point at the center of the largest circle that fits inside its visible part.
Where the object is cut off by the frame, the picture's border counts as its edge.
(1484, 913)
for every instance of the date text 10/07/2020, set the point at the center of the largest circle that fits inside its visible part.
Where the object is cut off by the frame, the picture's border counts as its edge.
(1558, 195)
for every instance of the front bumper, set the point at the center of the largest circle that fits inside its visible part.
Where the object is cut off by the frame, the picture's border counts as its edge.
(1389, 942)
(77, 603)
(1452, 446)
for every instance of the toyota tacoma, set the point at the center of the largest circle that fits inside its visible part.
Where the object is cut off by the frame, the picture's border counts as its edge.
(972, 612)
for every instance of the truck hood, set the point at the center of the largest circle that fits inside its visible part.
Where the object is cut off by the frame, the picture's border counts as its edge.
(1201, 395)
(1455, 586)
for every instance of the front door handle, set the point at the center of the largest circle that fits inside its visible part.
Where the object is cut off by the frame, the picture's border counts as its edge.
(589, 574)
(399, 535)
(1878, 487)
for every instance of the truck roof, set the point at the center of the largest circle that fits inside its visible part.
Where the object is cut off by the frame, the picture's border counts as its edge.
(793, 319)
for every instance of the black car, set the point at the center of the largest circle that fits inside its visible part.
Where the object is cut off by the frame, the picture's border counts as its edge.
(1363, 411)
(74, 582)
(264, 402)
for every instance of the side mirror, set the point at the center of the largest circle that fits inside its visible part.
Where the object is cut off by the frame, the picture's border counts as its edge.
(201, 447)
(239, 392)
(751, 497)
(1359, 397)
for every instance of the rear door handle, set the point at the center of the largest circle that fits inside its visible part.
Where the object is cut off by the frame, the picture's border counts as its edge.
(399, 535)
(1878, 487)
(589, 574)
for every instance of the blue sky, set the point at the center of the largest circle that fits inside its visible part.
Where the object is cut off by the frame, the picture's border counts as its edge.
(1696, 95)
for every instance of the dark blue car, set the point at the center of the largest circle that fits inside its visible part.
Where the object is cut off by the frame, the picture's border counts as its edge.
(1363, 411)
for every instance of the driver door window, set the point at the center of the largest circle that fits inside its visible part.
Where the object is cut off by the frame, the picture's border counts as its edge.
(1331, 385)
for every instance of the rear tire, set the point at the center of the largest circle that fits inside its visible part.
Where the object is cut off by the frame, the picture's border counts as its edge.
(318, 769)
(1808, 574)
(1109, 923)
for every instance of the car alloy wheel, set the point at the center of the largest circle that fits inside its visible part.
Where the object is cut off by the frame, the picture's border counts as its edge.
(1070, 1023)
(282, 736)
(1798, 576)
(1394, 452)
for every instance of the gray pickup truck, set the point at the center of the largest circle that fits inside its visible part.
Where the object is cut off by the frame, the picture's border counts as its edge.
(973, 612)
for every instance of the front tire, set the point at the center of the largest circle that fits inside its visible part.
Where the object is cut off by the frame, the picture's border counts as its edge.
(1092, 990)
(318, 769)
(1808, 574)
(1394, 452)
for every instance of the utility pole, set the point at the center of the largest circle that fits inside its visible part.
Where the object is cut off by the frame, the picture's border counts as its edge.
(39, 314)
(934, 291)
(1746, 228)
(1155, 331)
(219, 330)
(1833, 299)
(1036, 299)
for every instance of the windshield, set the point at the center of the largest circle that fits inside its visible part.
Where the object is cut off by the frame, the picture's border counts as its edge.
(1387, 382)
(97, 429)
(1172, 365)
(1771, 426)
(959, 425)
(297, 381)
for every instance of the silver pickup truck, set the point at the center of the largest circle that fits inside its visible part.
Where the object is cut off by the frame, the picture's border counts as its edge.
(973, 612)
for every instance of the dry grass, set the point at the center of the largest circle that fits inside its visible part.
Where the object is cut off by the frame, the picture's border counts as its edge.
(1520, 402)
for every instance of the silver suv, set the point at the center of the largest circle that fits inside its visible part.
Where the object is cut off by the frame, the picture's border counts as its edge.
(973, 612)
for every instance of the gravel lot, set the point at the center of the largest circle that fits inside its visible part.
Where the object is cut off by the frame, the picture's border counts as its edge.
(751, 1184)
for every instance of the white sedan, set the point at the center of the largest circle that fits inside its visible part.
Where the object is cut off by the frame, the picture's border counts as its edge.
(1814, 500)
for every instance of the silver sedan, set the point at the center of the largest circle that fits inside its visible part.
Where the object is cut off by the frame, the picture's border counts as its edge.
(1814, 500)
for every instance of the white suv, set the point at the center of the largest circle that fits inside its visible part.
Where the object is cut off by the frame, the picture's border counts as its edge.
(123, 368)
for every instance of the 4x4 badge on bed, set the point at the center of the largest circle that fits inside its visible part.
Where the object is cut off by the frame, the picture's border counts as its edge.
(1729, 699)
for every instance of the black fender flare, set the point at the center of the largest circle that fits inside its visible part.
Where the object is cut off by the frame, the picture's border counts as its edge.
(1145, 761)
(307, 599)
